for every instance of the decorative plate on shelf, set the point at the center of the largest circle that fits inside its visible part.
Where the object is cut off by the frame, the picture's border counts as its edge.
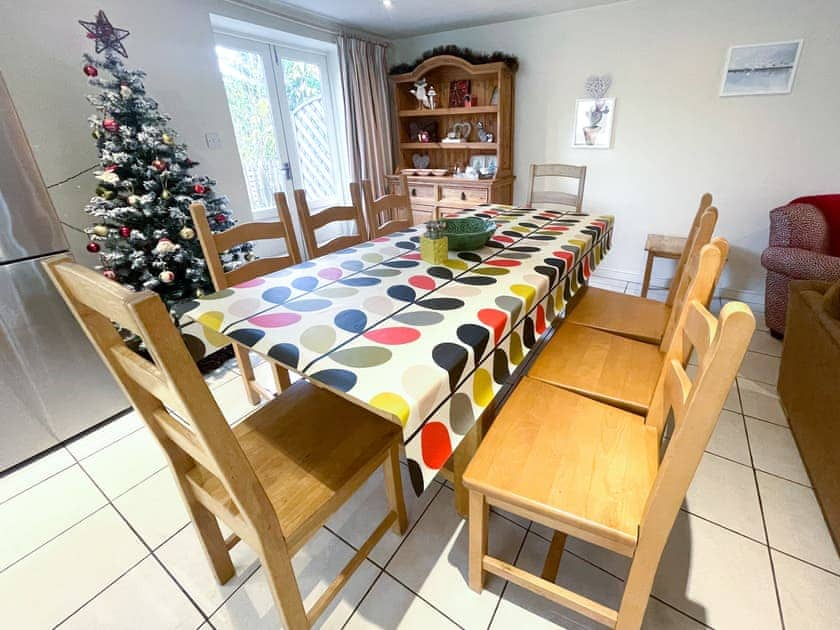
(440, 172)
(409, 171)
(424, 172)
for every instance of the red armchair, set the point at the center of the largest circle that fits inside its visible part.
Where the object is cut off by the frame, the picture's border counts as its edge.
(804, 245)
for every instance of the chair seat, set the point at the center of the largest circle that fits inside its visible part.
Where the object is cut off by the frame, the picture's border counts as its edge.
(627, 315)
(607, 367)
(665, 246)
(310, 449)
(579, 465)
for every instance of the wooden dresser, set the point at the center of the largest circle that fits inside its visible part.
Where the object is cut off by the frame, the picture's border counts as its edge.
(432, 196)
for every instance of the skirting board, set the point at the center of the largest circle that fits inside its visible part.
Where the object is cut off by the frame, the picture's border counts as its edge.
(750, 297)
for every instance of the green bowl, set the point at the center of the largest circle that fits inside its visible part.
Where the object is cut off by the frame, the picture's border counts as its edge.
(468, 233)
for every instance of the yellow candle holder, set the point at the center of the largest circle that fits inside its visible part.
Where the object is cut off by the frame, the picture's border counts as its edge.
(434, 251)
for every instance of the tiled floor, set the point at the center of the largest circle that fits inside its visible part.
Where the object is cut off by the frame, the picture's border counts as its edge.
(94, 535)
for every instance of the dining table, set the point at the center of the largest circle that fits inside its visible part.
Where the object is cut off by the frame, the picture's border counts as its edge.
(427, 346)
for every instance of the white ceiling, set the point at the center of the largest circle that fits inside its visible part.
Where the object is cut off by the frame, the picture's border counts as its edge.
(416, 17)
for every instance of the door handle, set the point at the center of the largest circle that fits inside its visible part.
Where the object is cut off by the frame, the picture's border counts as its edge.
(463, 196)
(287, 169)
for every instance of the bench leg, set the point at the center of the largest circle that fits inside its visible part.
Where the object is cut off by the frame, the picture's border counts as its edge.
(648, 270)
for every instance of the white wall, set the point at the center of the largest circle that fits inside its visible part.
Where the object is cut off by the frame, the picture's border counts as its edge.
(40, 57)
(674, 136)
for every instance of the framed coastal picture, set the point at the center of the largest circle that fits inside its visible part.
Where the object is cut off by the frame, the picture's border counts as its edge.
(761, 68)
(593, 123)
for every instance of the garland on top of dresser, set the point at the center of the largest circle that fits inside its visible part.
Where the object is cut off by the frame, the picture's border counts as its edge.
(466, 54)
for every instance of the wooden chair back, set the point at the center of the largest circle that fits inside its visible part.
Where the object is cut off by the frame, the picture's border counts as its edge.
(214, 244)
(699, 228)
(536, 197)
(697, 282)
(695, 404)
(389, 213)
(311, 222)
(170, 380)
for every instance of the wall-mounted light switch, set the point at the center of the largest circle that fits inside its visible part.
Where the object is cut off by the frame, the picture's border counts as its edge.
(213, 140)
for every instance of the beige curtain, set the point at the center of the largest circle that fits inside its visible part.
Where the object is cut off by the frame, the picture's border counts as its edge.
(367, 108)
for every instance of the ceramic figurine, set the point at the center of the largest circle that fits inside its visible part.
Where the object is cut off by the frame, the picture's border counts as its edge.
(420, 93)
(432, 94)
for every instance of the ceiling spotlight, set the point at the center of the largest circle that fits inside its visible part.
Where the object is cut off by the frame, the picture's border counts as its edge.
(387, 4)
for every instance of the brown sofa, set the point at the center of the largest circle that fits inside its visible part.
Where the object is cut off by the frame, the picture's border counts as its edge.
(809, 386)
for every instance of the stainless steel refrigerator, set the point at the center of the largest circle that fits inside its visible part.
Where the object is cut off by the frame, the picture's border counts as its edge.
(53, 385)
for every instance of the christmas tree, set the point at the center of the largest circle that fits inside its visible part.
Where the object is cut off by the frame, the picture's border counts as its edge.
(143, 232)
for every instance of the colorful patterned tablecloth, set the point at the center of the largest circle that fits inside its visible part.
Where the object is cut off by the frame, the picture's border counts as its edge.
(425, 345)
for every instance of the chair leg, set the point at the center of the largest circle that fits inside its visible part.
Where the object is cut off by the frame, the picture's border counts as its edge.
(284, 587)
(212, 541)
(479, 516)
(393, 488)
(634, 601)
(648, 270)
(281, 377)
(247, 370)
(555, 553)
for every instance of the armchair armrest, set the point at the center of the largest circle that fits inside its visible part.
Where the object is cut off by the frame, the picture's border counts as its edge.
(799, 225)
(801, 264)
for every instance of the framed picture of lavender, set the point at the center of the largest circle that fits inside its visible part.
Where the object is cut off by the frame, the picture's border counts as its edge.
(760, 68)
(593, 123)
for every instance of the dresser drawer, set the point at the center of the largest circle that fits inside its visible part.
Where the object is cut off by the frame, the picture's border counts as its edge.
(420, 214)
(464, 193)
(421, 191)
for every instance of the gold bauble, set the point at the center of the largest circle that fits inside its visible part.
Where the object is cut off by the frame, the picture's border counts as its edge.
(167, 139)
(134, 200)
(187, 233)
(165, 194)
(100, 230)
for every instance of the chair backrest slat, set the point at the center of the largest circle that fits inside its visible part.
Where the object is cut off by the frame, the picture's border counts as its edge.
(310, 222)
(389, 213)
(214, 244)
(697, 283)
(569, 171)
(171, 379)
(699, 234)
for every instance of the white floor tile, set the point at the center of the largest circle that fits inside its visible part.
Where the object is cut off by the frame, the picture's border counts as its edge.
(118, 467)
(795, 522)
(611, 562)
(105, 435)
(774, 451)
(33, 517)
(232, 400)
(633, 288)
(810, 597)
(730, 438)
(154, 508)
(389, 605)
(144, 598)
(717, 577)
(222, 374)
(184, 557)
(763, 341)
(359, 516)
(760, 367)
(18, 480)
(50, 584)
(732, 402)
(608, 284)
(433, 561)
(724, 492)
(761, 401)
(316, 565)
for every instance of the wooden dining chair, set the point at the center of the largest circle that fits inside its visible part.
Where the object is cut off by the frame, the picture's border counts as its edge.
(671, 247)
(617, 370)
(634, 316)
(214, 244)
(593, 471)
(389, 213)
(537, 198)
(275, 478)
(310, 222)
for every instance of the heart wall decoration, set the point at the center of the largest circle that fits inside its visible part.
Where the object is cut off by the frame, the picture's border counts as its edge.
(420, 160)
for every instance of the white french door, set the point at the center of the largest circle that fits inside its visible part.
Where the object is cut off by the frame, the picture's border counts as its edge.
(286, 123)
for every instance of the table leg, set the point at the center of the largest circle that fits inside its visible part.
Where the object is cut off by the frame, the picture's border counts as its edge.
(461, 458)
(648, 270)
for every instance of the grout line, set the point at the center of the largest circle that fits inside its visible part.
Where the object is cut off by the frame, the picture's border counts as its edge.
(763, 518)
(515, 560)
(420, 597)
(809, 563)
(146, 545)
(37, 483)
(139, 483)
(727, 528)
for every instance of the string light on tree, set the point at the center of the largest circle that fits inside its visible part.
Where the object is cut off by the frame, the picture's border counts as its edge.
(142, 233)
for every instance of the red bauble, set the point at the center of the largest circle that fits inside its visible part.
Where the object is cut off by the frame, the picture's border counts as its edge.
(90, 70)
(220, 218)
(160, 165)
(109, 273)
(199, 189)
(125, 231)
(110, 125)
(93, 247)
(111, 168)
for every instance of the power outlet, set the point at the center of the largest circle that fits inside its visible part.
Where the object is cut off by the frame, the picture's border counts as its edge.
(213, 140)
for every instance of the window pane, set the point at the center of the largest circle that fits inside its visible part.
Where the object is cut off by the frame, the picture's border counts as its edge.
(243, 73)
(311, 123)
